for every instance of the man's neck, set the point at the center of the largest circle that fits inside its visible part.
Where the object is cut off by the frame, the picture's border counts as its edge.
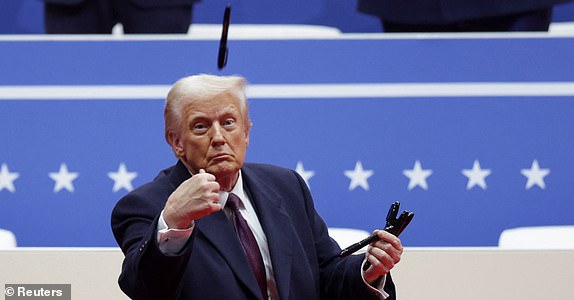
(228, 182)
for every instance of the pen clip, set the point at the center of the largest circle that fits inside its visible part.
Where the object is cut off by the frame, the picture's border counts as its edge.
(404, 220)
(397, 224)
(392, 214)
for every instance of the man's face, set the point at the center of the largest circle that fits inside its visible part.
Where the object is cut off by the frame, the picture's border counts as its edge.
(213, 136)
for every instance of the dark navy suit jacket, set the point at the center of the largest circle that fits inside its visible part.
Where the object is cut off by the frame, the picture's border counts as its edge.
(447, 11)
(212, 265)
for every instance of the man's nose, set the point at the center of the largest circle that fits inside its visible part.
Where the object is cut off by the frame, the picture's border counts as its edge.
(217, 136)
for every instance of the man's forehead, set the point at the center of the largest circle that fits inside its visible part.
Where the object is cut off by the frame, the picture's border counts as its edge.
(220, 98)
(211, 106)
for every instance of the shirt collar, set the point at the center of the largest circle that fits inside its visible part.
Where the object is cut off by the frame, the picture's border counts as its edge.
(237, 190)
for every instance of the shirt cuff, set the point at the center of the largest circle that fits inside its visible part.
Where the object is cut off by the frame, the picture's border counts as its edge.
(378, 290)
(169, 240)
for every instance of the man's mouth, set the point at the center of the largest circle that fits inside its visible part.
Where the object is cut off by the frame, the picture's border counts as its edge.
(219, 156)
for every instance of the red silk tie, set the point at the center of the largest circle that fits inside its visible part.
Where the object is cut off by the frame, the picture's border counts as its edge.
(248, 243)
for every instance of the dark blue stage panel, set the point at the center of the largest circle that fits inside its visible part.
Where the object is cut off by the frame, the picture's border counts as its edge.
(475, 135)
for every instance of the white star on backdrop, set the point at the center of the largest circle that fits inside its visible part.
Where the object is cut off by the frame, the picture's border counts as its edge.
(476, 176)
(417, 176)
(63, 179)
(122, 178)
(7, 178)
(359, 177)
(535, 175)
(304, 173)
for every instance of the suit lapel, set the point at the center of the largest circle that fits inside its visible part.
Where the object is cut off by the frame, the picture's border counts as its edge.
(272, 217)
(219, 231)
(178, 175)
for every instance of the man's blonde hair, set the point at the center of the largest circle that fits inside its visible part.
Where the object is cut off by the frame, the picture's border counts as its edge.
(202, 87)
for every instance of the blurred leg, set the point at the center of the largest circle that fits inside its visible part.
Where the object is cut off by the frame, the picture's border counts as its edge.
(88, 16)
(139, 19)
(536, 20)
(402, 27)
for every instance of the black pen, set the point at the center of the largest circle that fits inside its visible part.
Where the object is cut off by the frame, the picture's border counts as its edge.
(357, 246)
(222, 55)
(393, 226)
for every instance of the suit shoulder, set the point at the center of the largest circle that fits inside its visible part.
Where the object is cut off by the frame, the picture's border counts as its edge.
(271, 170)
(277, 175)
(161, 181)
(154, 193)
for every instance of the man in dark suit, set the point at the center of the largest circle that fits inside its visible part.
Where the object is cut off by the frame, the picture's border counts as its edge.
(100, 16)
(461, 15)
(182, 233)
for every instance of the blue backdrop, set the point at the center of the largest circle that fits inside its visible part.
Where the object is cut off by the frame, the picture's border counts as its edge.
(90, 138)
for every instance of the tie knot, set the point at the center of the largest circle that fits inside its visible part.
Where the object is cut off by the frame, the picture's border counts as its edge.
(233, 202)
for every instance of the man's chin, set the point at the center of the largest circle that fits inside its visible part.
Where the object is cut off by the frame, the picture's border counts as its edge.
(223, 169)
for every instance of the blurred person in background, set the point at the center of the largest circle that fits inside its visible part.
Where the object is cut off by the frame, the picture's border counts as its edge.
(461, 15)
(100, 16)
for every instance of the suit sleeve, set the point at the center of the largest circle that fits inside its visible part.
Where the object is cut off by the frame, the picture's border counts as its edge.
(146, 272)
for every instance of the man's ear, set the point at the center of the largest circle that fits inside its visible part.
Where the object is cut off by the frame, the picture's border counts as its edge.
(175, 142)
(246, 138)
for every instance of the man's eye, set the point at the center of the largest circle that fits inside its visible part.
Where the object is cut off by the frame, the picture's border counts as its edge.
(229, 122)
(199, 127)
